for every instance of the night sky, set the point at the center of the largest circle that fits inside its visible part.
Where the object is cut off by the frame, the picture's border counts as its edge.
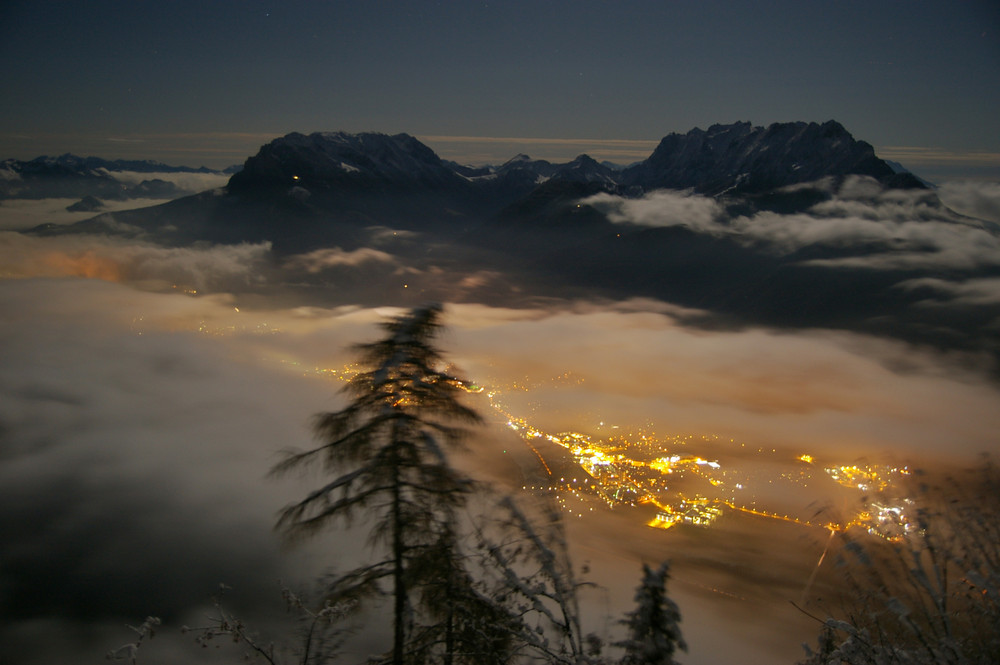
(208, 82)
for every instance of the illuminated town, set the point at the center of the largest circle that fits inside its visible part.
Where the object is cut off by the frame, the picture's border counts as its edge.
(673, 480)
(682, 487)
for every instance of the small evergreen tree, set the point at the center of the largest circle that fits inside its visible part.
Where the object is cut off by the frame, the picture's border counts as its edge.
(386, 451)
(654, 633)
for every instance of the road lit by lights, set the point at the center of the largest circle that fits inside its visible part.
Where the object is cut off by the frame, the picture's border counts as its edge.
(641, 468)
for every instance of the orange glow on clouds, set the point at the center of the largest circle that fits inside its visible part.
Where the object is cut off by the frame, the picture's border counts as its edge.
(86, 264)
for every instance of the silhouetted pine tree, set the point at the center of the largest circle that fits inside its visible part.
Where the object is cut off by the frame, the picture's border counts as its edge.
(386, 451)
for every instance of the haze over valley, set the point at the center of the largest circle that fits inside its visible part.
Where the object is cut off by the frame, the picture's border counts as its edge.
(664, 364)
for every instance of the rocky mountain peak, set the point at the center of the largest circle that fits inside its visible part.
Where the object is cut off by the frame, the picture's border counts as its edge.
(322, 159)
(741, 158)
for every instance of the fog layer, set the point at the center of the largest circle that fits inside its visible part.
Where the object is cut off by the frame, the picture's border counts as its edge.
(145, 391)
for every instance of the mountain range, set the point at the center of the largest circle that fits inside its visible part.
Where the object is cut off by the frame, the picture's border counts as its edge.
(324, 185)
(792, 225)
(736, 159)
(70, 176)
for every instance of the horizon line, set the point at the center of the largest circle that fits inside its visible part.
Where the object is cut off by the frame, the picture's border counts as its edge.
(229, 146)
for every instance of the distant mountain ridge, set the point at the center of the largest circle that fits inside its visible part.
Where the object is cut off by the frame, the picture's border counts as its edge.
(70, 176)
(304, 191)
(76, 163)
(733, 159)
(737, 158)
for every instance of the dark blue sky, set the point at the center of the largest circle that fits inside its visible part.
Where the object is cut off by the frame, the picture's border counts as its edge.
(209, 81)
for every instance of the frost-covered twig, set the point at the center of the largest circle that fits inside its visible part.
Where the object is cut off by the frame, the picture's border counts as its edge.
(130, 651)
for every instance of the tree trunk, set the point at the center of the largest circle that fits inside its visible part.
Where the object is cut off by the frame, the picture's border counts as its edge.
(449, 631)
(399, 584)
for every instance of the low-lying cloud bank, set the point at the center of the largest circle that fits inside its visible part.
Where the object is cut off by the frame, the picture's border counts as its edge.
(852, 255)
(835, 395)
(136, 427)
(985, 291)
(220, 268)
(335, 257)
(892, 229)
(186, 183)
(131, 465)
(137, 421)
(25, 214)
(980, 199)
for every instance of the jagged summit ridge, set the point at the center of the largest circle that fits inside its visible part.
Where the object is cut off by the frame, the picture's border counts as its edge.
(322, 159)
(743, 158)
(586, 169)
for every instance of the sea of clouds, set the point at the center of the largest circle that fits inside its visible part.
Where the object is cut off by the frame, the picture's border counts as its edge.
(138, 420)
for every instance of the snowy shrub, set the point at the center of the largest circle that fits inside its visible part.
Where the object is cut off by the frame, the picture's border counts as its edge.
(930, 597)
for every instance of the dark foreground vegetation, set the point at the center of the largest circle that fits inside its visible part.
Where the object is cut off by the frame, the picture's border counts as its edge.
(498, 586)
(931, 596)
